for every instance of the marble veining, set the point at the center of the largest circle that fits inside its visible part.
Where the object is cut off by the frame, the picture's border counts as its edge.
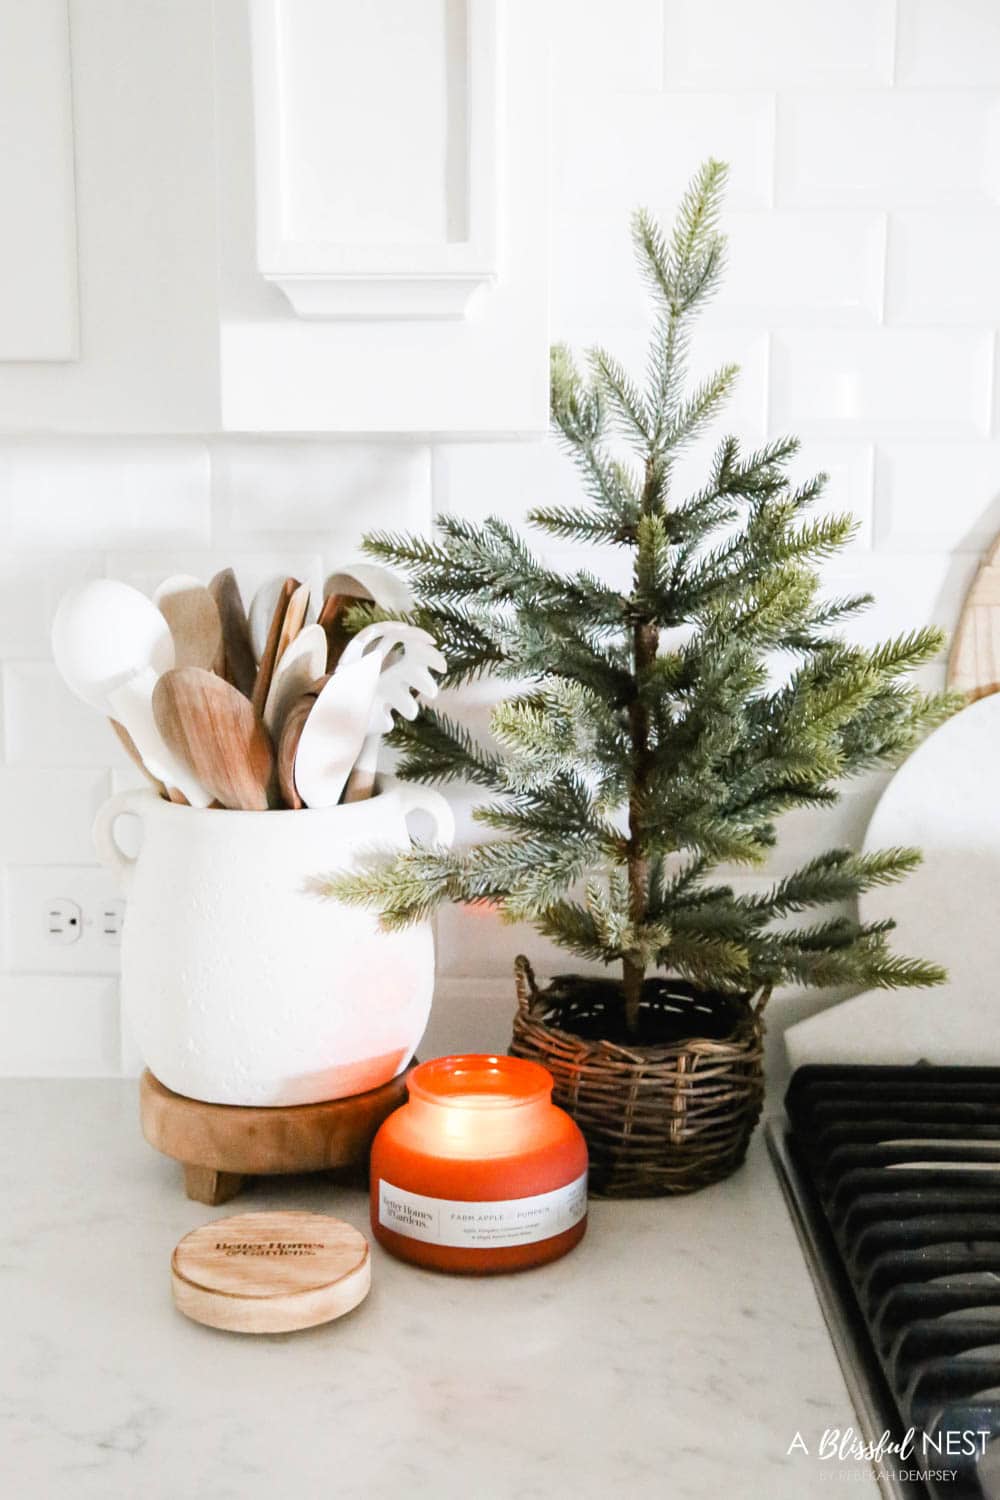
(676, 1352)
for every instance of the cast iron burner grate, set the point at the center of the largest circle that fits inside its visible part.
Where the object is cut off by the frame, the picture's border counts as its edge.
(893, 1177)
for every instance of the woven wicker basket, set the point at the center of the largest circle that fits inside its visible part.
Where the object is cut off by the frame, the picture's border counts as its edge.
(659, 1119)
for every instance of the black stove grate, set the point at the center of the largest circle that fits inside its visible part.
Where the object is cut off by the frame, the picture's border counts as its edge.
(903, 1165)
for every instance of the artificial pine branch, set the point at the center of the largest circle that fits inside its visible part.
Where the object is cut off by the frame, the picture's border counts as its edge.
(656, 732)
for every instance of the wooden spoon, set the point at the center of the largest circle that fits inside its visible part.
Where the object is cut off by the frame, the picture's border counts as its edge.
(193, 616)
(300, 664)
(291, 625)
(331, 617)
(128, 745)
(241, 664)
(209, 724)
(288, 744)
(269, 657)
(261, 612)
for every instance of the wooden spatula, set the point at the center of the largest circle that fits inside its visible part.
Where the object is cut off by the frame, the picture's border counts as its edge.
(241, 664)
(269, 658)
(193, 616)
(211, 726)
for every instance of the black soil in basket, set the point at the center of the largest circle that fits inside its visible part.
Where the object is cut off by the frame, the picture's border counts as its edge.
(671, 1010)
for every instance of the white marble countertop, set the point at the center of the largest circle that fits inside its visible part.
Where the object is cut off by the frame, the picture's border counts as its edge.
(675, 1353)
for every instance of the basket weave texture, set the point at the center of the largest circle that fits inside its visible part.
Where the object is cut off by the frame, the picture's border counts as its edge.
(658, 1119)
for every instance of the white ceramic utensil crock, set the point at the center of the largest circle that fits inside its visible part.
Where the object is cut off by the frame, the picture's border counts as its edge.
(240, 983)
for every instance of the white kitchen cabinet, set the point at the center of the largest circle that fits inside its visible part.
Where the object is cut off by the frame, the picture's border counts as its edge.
(290, 215)
(38, 309)
(401, 219)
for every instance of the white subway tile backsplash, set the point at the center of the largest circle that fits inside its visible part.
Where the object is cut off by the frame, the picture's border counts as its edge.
(889, 150)
(32, 581)
(473, 940)
(58, 1026)
(943, 269)
(606, 46)
(506, 479)
(334, 491)
(107, 493)
(932, 382)
(44, 725)
(595, 275)
(941, 497)
(773, 44)
(469, 1015)
(46, 815)
(849, 487)
(910, 589)
(787, 268)
(617, 151)
(949, 43)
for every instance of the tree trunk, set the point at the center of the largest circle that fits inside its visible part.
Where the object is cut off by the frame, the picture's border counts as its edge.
(645, 643)
(632, 981)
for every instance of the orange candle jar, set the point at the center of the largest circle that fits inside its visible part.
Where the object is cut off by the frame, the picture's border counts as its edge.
(479, 1171)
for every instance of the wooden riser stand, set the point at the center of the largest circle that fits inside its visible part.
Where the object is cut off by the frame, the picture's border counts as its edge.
(220, 1145)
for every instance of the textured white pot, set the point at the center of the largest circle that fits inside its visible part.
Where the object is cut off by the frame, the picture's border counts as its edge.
(242, 985)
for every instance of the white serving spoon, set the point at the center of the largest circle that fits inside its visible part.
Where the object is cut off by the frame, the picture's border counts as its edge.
(368, 580)
(105, 632)
(302, 661)
(335, 731)
(111, 644)
(395, 691)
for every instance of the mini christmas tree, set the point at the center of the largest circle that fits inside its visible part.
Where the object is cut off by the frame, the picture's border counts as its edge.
(664, 730)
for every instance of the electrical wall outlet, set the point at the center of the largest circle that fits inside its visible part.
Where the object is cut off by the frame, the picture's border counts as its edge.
(62, 919)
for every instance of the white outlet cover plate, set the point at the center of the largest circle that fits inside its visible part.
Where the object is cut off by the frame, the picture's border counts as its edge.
(30, 891)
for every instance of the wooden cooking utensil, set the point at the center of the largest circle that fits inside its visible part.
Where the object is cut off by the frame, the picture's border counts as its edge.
(193, 616)
(974, 662)
(331, 617)
(205, 721)
(128, 745)
(295, 618)
(241, 664)
(269, 658)
(288, 745)
(299, 665)
(261, 612)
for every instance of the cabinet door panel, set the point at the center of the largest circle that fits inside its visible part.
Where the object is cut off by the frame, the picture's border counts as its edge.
(38, 277)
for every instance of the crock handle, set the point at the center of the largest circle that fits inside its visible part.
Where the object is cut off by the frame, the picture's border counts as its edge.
(109, 851)
(425, 799)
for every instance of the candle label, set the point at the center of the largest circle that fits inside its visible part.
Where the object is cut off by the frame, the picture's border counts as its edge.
(482, 1225)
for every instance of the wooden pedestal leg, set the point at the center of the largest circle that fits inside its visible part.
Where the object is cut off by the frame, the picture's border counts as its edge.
(205, 1185)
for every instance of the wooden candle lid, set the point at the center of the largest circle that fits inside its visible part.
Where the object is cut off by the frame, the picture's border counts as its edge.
(270, 1272)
